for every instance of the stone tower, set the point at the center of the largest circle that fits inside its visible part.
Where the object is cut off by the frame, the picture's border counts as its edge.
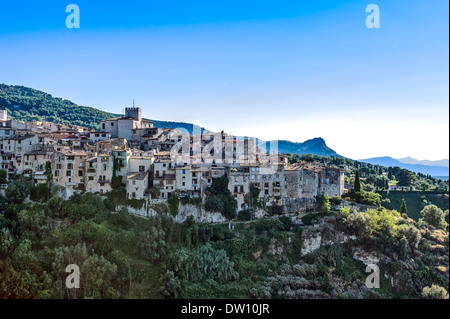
(134, 113)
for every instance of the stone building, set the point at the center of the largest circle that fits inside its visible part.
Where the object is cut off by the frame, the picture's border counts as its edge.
(130, 126)
(137, 185)
(68, 169)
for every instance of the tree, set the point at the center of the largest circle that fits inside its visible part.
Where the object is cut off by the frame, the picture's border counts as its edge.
(403, 209)
(14, 284)
(424, 186)
(96, 273)
(411, 233)
(434, 292)
(357, 184)
(170, 285)
(3, 175)
(212, 264)
(154, 192)
(405, 178)
(403, 248)
(34, 222)
(153, 243)
(323, 203)
(434, 216)
(17, 191)
(220, 198)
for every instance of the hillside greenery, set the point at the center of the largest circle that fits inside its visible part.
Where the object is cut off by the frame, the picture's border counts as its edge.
(128, 256)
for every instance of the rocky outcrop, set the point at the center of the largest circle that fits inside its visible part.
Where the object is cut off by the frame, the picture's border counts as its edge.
(199, 214)
(322, 234)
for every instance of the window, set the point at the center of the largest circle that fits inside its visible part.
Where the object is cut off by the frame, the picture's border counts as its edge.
(134, 183)
(80, 173)
(68, 173)
(103, 126)
(141, 168)
(112, 124)
(91, 178)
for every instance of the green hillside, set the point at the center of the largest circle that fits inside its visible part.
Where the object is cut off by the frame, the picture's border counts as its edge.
(416, 201)
(26, 104)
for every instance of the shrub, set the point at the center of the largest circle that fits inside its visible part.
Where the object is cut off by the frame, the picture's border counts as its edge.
(287, 222)
(434, 216)
(275, 209)
(336, 200)
(245, 215)
(323, 203)
(358, 224)
(308, 219)
(173, 203)
(434, 292)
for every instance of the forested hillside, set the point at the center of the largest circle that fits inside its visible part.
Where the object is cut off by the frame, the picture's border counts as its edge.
(124, 256)
(26, 104)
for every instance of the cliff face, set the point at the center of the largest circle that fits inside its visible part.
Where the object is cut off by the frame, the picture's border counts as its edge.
(337, 263)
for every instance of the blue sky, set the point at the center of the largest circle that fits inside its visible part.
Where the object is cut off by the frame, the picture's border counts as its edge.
(274, 69)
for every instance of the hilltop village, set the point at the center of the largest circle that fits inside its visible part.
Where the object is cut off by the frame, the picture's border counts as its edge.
(171, 161)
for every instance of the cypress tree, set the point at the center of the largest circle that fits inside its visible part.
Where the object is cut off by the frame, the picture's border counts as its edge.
(357, 185)
(403, 209)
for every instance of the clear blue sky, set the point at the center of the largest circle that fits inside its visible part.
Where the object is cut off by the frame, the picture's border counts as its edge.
(274, 69)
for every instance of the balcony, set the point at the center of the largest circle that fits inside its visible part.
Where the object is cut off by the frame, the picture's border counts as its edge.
(91, 170)
(71, 184)
(103, 181)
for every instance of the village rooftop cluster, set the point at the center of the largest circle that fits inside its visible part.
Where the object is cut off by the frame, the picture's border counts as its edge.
(145, 157)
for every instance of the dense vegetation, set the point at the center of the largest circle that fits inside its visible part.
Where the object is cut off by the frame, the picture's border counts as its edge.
(32, 104)
(134, 257)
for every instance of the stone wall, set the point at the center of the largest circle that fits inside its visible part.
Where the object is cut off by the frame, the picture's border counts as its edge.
(332, 182)
(298, 205)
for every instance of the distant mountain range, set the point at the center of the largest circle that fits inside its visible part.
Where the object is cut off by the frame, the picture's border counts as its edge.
(433, 170)
(410, 160)
(315, 146)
